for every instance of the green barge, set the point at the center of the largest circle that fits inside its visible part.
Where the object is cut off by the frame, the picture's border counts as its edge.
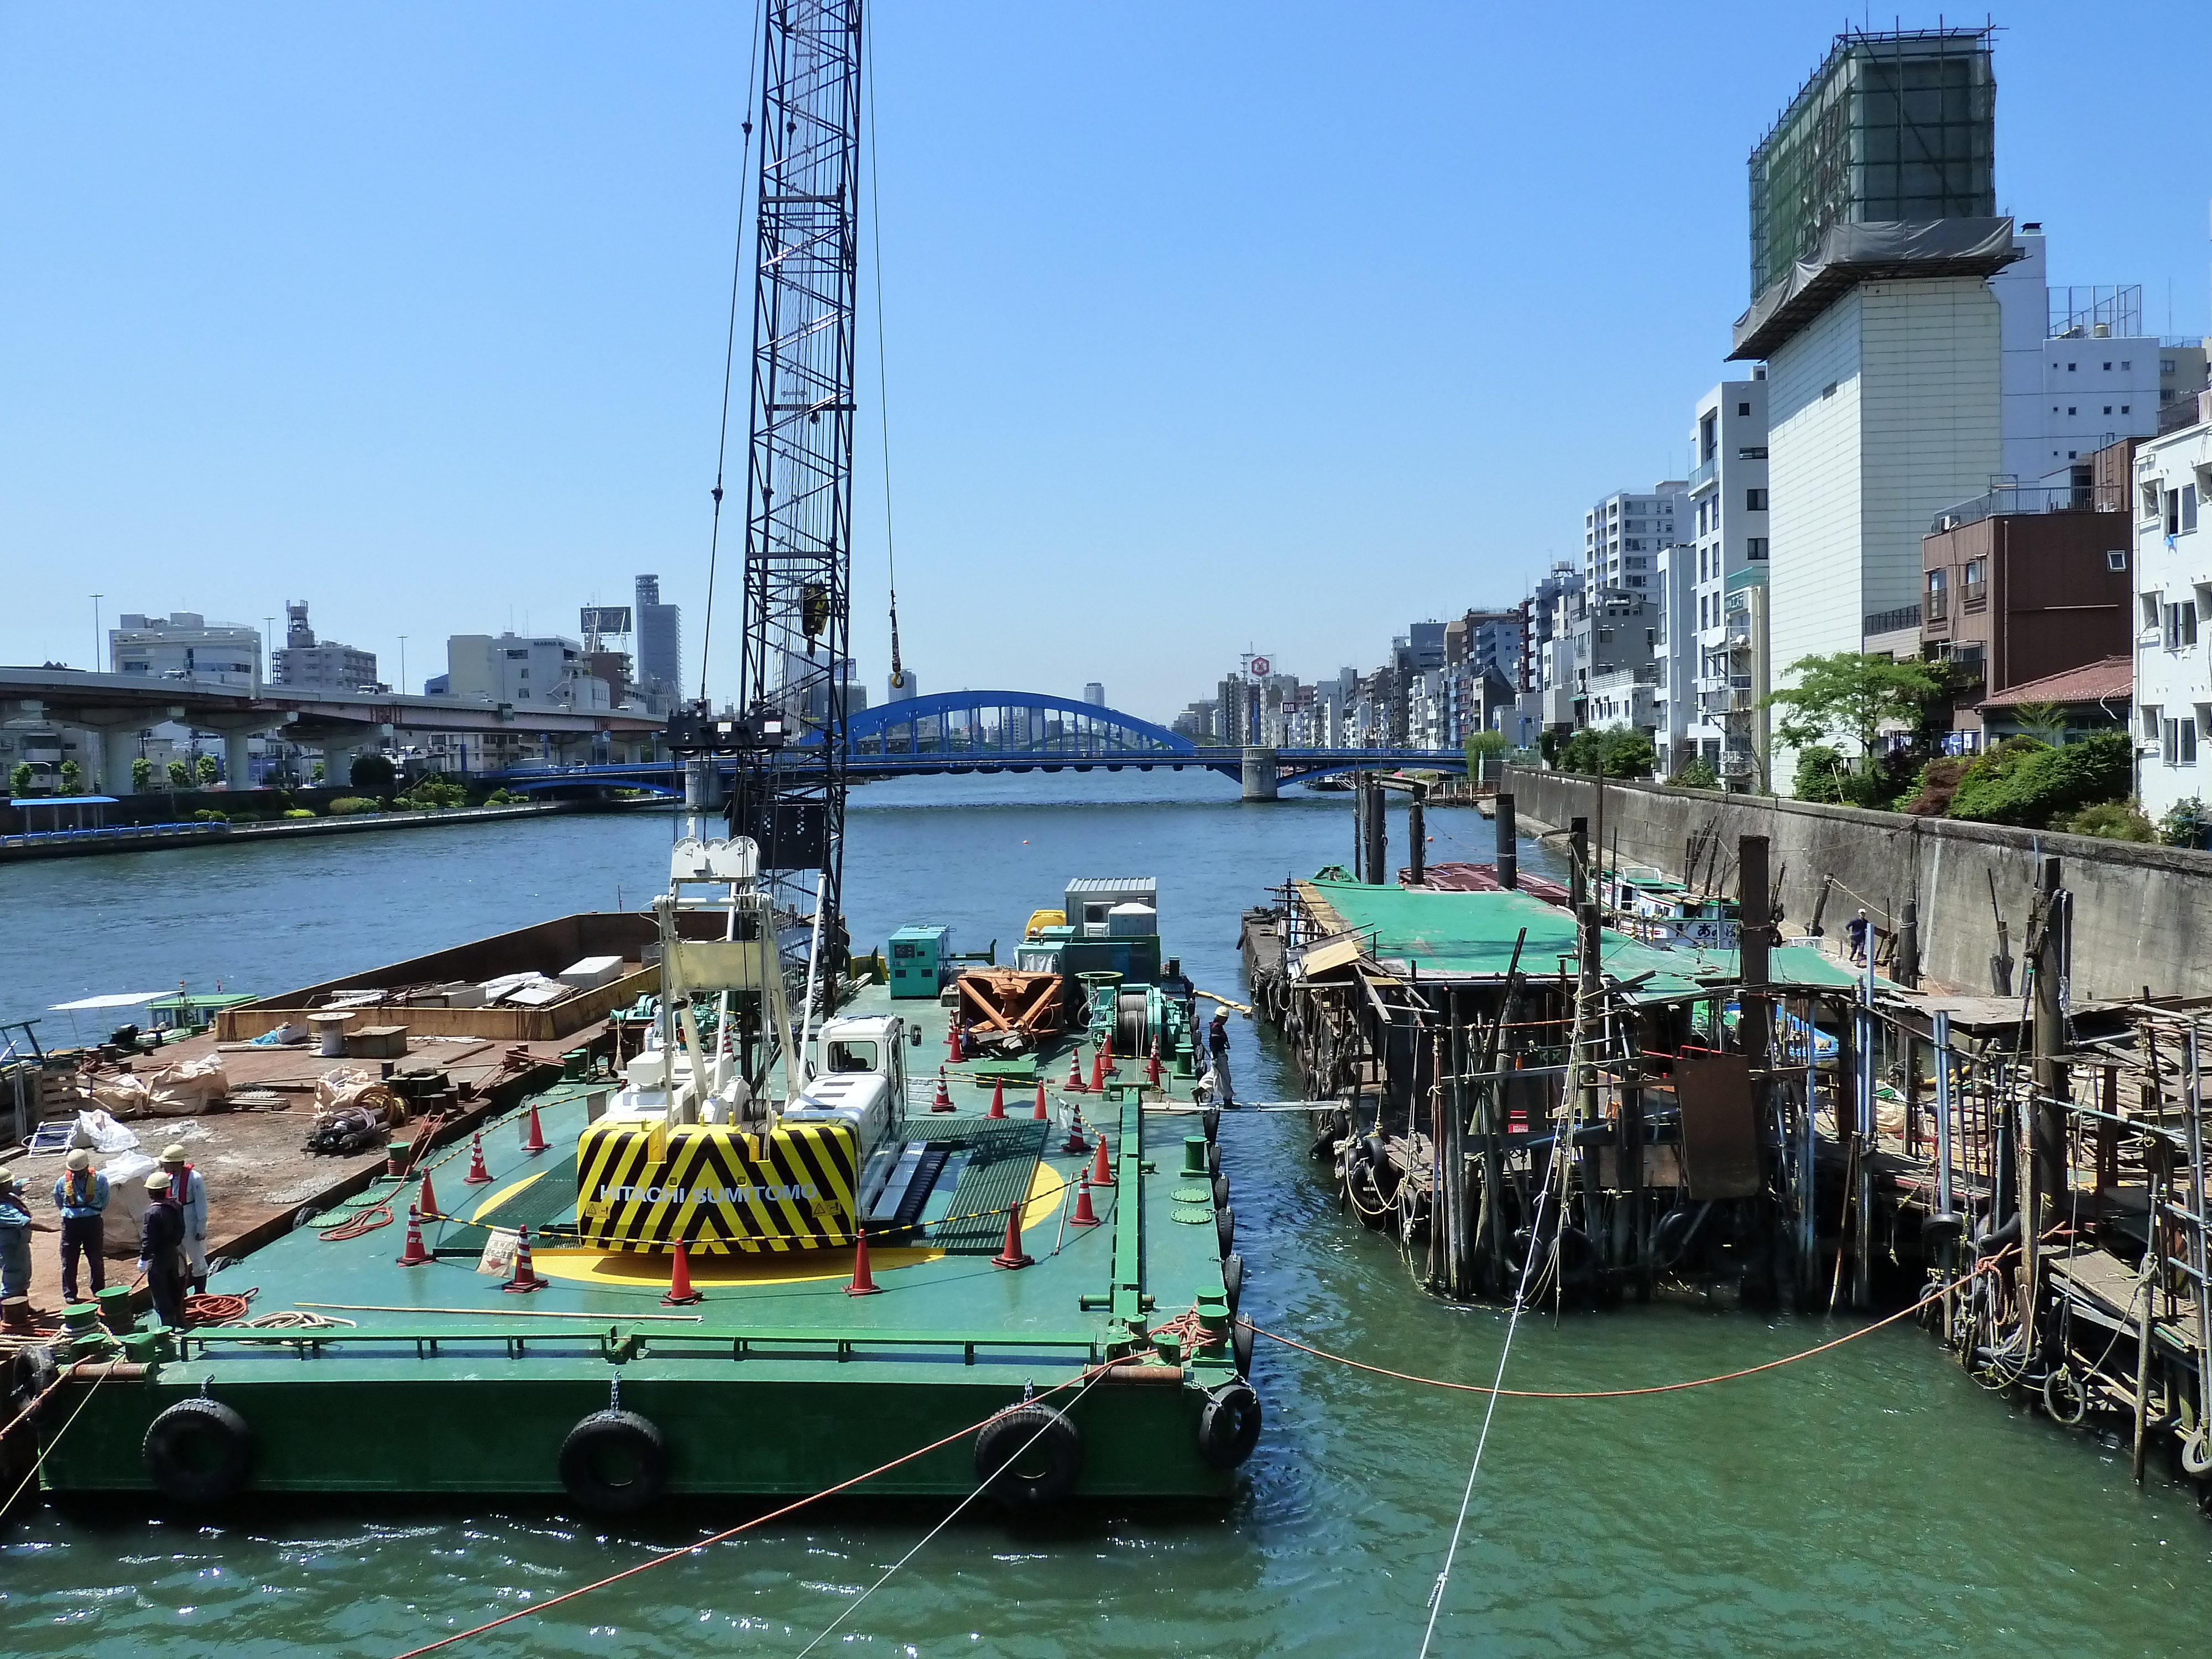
(724, 1265)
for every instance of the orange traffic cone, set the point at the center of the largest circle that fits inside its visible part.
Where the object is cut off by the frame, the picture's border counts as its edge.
(1098, 1068)
(944, 1101)
(1084, 1216)
(680, 1293)
(1041, 1114)
(1107, 1049)
(952, 1037)
(864, 1282)
(414, 1255)
(525, 1274)
(997, 1098)
(1076, 1145)
(1102, 1172)
(534, 1141)
(1074, 1083)
(477, 1175)
(1009, 1254)
(427, 1199)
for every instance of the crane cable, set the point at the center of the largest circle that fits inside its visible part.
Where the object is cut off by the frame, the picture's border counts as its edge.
(729, 367)
(882, 374)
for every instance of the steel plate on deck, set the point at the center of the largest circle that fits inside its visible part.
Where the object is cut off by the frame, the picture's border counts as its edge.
(1190, 1215)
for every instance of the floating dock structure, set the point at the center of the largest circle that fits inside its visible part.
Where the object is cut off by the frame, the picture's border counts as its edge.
(1535, 1101)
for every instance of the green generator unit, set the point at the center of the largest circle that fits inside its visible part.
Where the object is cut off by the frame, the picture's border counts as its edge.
(920, 958)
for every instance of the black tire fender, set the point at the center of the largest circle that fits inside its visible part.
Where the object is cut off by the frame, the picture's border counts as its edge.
(198, 1452)
(623, 1439)
(1029, 1456)
(1239, 1348)
(1225, 1227)
(1220, 1192)
(1210, 1119)
(1229, 1424)
(1232, 1278)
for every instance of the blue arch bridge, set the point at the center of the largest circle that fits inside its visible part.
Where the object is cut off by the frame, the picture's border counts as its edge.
(987, 731)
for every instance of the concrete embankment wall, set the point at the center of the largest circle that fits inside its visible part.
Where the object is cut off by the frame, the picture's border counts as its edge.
(2143, 915)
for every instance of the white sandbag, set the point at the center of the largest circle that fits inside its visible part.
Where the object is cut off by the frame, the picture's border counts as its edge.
(341, 1086)
(126, 1175)
(96, 1127)
(182, 1090)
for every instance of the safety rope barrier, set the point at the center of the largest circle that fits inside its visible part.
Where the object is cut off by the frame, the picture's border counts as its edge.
(1905, 1312)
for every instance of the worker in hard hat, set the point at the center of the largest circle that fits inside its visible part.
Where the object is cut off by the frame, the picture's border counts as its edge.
(16, 1225)
(160, 1251)
(80, 1195)
(188, 1191)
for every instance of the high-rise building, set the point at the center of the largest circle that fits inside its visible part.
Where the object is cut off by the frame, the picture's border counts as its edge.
(1873, 239)
(185, 646)
(1623, 533)
(1094, 692)
(659, 639)
(303, 663)
(1727, 533)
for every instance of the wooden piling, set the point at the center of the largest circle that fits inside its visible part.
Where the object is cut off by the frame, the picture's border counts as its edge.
(1508, 844)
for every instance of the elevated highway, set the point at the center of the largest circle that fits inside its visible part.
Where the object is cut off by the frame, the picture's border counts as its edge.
(116, 708)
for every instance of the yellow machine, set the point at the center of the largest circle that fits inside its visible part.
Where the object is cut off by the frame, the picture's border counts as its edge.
(718, 1188)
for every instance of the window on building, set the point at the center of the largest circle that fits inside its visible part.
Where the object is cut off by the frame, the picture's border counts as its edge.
(1754, 547)
(2125, 365)
(2188, 507)
(524, 674)
(2180, 742)
(1754, 500)
(1973, 581)
(2108, 408)
(2070, 409)
(2181, 625)
(2150, 714)
(1939, 595)
(518, 656)
(1709, 435)
(2150, 499)
(2149, 602)
(2166, 365)
(1743, 409)
(2070, 368)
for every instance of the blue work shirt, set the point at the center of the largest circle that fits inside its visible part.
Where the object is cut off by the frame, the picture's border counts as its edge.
(81, 1193)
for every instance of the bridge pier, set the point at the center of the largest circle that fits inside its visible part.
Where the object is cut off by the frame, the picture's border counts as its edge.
(1261, 780)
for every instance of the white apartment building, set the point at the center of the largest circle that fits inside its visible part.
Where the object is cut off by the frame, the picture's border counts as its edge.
(1728, 531)
(2174, 590)
(2079, 373)
(1673, 695)
(1623, 533)
(185, 646)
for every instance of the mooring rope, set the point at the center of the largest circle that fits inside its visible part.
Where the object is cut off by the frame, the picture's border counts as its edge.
(1482, 1440)
(1089, 1375)
(1905, 1312)
(854, 1606)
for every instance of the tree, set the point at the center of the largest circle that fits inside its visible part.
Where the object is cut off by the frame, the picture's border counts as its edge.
(1848, 695)
(206, 771)
(19, 779)
(141, 776)
(372, 774)
(2046, 720)
(72, 778)
(316, 775)
(1622, 750)
(180, 775)
(1481, 746)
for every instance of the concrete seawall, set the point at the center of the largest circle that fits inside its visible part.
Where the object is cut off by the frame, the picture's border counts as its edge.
(2143, 915)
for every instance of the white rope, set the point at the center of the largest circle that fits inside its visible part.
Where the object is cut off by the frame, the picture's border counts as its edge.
(1512, 1324)
(854, 1607)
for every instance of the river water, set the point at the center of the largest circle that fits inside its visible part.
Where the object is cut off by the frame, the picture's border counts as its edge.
(1871, 1500)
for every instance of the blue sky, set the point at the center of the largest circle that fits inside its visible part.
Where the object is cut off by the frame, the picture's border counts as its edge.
(1207, 327)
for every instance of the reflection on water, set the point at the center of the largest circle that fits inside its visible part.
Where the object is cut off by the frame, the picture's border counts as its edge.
(1870, 1501)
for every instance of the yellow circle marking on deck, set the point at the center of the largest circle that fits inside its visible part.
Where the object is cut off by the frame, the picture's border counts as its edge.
(1048, 1189)
(640, 1268)
(502, 1196)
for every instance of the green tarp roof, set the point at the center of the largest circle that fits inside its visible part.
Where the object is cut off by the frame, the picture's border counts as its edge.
(1442, 932)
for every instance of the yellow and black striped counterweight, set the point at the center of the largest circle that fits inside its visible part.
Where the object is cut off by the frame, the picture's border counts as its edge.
(643, 1185)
